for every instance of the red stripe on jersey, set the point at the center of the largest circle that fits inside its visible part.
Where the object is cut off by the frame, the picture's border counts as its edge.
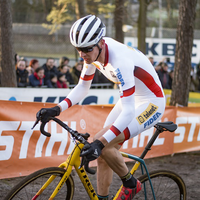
(148, 80)
(87, 77)
(128, 92)
(115, 130)
(68, 102)
(126, 134)
(106, 56)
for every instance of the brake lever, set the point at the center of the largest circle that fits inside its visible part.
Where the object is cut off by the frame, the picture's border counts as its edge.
(36, 122)
(85, 163)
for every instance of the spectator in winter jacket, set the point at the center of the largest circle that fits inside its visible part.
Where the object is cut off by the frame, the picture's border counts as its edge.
(76, 72)
(37, 78)
(65, 69)
(22, 74)
(53, 79)
(62, 82)
(164, 76)
(49, 68)
(33, 65)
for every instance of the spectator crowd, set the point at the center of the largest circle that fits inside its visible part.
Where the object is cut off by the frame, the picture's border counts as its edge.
(165, 73)
(49, 75)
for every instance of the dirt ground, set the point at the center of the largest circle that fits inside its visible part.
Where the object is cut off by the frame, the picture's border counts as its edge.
(187, 165)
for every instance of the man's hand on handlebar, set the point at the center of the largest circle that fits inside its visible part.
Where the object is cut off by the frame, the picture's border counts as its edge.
(45, 113)
(92, 151)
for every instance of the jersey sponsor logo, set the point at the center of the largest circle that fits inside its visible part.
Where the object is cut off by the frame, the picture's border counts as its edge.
(112, 74)
(119, 76)
(151, 109)
(152, 119)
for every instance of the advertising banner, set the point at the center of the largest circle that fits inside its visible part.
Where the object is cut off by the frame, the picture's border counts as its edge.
(24, 150)
(160, 48)
(49, 95)
(94, 96)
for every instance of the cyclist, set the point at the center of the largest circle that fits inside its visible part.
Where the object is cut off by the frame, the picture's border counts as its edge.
(141, 104)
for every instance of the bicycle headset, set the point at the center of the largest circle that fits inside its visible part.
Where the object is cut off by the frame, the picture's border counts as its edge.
(86, 33)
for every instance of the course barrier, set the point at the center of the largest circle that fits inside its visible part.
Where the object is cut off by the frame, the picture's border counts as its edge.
(94, 96)
(23, 150)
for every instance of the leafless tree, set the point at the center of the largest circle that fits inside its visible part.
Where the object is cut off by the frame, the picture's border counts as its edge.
(7, 67)
(118, 20)
(142, 24)
(80, 8)
(184, 43)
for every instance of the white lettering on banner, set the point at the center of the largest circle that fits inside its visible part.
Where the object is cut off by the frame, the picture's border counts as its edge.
(57, 137)
(193, 121)
(135, 141)
(147, 133)
(7, 141)
(40, 142)
(25, 126)
(72, 144)
(180, 131)
(163, 47)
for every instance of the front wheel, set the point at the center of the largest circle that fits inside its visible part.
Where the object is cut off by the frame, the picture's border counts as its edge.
(166, 185)
(30, 185)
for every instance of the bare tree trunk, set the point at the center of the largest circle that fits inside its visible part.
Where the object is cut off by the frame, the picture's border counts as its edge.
(80, 8)
(142, 18)
(118, 20)
(184, 43)
(8, 74)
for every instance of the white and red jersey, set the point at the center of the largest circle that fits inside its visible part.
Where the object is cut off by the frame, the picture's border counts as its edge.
(137, 80)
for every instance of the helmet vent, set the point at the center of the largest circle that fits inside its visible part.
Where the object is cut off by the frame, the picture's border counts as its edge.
(79, 27)
(89, 29)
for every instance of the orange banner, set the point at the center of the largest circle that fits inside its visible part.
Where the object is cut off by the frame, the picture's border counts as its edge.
(23, 150)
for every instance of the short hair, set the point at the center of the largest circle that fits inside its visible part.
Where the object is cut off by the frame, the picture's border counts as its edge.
(39, 69)
(50, 58)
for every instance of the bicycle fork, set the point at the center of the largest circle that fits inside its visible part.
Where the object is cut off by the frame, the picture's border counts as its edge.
(72, 160)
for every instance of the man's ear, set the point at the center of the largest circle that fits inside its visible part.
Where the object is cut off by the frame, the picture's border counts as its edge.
(102, 43)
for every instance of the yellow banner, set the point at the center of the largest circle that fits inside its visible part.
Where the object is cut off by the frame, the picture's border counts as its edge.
(193, 101)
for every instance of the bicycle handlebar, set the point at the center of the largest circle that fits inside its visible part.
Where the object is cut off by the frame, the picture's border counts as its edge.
(82, 138)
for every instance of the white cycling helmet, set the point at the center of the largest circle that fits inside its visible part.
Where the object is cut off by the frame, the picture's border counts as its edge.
(87, 31)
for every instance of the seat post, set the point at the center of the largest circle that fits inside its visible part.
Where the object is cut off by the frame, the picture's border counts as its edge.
(151, 141)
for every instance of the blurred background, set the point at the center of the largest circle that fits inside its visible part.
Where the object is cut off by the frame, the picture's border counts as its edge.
(41, 27)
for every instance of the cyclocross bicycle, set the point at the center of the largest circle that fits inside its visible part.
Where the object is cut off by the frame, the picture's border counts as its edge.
(57, 182)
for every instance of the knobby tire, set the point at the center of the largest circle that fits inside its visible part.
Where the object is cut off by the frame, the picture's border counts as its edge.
(29, 186)
(167, 185)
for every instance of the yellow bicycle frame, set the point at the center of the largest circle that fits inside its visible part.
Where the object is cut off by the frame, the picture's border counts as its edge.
(73, 160)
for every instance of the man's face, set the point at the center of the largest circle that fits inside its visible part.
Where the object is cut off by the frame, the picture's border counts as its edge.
(89, 57)
(50, 63)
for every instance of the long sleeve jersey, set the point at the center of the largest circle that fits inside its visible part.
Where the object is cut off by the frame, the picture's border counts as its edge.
(131, 70)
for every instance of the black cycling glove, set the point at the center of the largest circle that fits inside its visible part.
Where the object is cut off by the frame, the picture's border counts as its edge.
(45, 113)
(92, 151)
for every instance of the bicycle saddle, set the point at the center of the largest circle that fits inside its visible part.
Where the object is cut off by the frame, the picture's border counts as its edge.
(170, 126)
